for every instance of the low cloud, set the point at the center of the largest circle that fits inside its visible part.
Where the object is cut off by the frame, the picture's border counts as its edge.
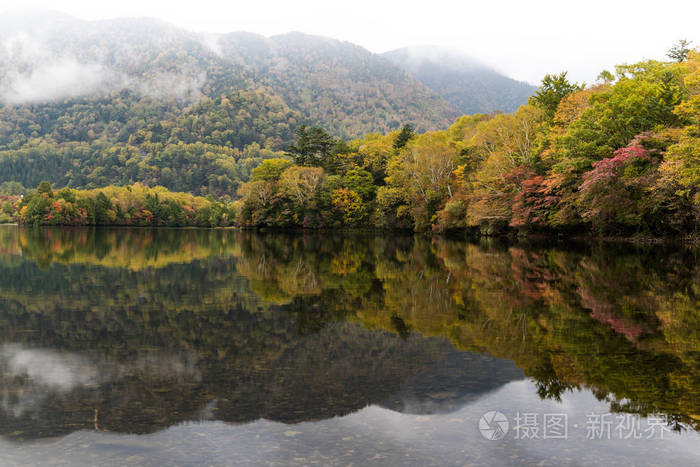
(172, 86)
(60, 79)
(34, 68)
(211, 42)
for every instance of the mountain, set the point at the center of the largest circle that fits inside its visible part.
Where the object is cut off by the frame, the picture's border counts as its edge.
(86, 104)
(468, 85)
(339, 85)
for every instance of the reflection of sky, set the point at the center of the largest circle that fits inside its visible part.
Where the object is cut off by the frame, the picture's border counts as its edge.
(372, 436)
(56, 370)
(45, 371)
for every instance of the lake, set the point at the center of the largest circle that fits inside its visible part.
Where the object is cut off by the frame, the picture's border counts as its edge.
(222, 347)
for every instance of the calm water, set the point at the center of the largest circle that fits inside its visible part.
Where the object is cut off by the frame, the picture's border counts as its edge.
(125, 347)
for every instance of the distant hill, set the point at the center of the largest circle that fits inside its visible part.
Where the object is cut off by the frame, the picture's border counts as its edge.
(468, 85)
(339, 85)
(87, 104)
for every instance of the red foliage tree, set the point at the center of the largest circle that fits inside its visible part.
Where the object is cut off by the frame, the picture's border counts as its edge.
(613, 193)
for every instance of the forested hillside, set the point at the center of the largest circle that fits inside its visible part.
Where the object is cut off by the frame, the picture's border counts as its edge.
(468, 85)
(239, 118)
(619, 157)
(337, 85)
(88, 104)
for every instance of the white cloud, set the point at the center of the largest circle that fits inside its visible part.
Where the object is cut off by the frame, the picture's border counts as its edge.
(31, 70)
(59, 79)
(211, 42)
(524, 39)
(172, 85)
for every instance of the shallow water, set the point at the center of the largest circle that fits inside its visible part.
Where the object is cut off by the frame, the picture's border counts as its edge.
(183, 347)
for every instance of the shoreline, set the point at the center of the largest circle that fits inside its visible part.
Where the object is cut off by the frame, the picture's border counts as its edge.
(453, 234)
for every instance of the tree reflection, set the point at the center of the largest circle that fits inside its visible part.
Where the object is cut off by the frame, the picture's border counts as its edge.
(618, 319)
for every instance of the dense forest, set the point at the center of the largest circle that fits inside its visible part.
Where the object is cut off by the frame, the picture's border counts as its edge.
(135, 205)
(138, 100)
(207, 148)
(621, 156)
(337, 85)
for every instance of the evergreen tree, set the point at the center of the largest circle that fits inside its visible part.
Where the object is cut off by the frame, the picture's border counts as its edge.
(680, 50)
(553, 89)
(405, 135)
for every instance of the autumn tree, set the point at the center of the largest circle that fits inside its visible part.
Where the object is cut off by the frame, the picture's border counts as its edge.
(45, 189)
(616, 193)
(510, 136)
(361, 182)
(350, 206)
(270, 170)
(552, 90)
(679, 51)
(301, 184)
(424, 171)
(373, 154)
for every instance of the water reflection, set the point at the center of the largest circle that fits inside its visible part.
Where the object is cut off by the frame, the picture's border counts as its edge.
(134, 331)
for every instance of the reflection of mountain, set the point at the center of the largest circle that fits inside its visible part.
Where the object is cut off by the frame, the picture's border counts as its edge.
(447, 386)
(48, 393)
(331, 373)
(300, 327)
(138, 351)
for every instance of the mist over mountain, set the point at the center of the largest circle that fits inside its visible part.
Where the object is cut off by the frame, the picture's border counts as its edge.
(50, 57)
(468, 85)
(86, 104)
(338, 85)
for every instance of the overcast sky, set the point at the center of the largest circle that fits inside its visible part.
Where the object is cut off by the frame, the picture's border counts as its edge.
(524, 39)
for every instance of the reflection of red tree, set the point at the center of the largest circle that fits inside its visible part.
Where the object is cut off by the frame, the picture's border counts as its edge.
(605, 313)
(532, 277)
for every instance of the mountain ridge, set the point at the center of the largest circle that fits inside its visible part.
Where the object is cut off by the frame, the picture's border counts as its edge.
(321, 68)
(468, 84)
(87, 104)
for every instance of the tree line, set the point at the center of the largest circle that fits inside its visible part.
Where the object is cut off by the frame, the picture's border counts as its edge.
(135, 205)
(618, 157)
